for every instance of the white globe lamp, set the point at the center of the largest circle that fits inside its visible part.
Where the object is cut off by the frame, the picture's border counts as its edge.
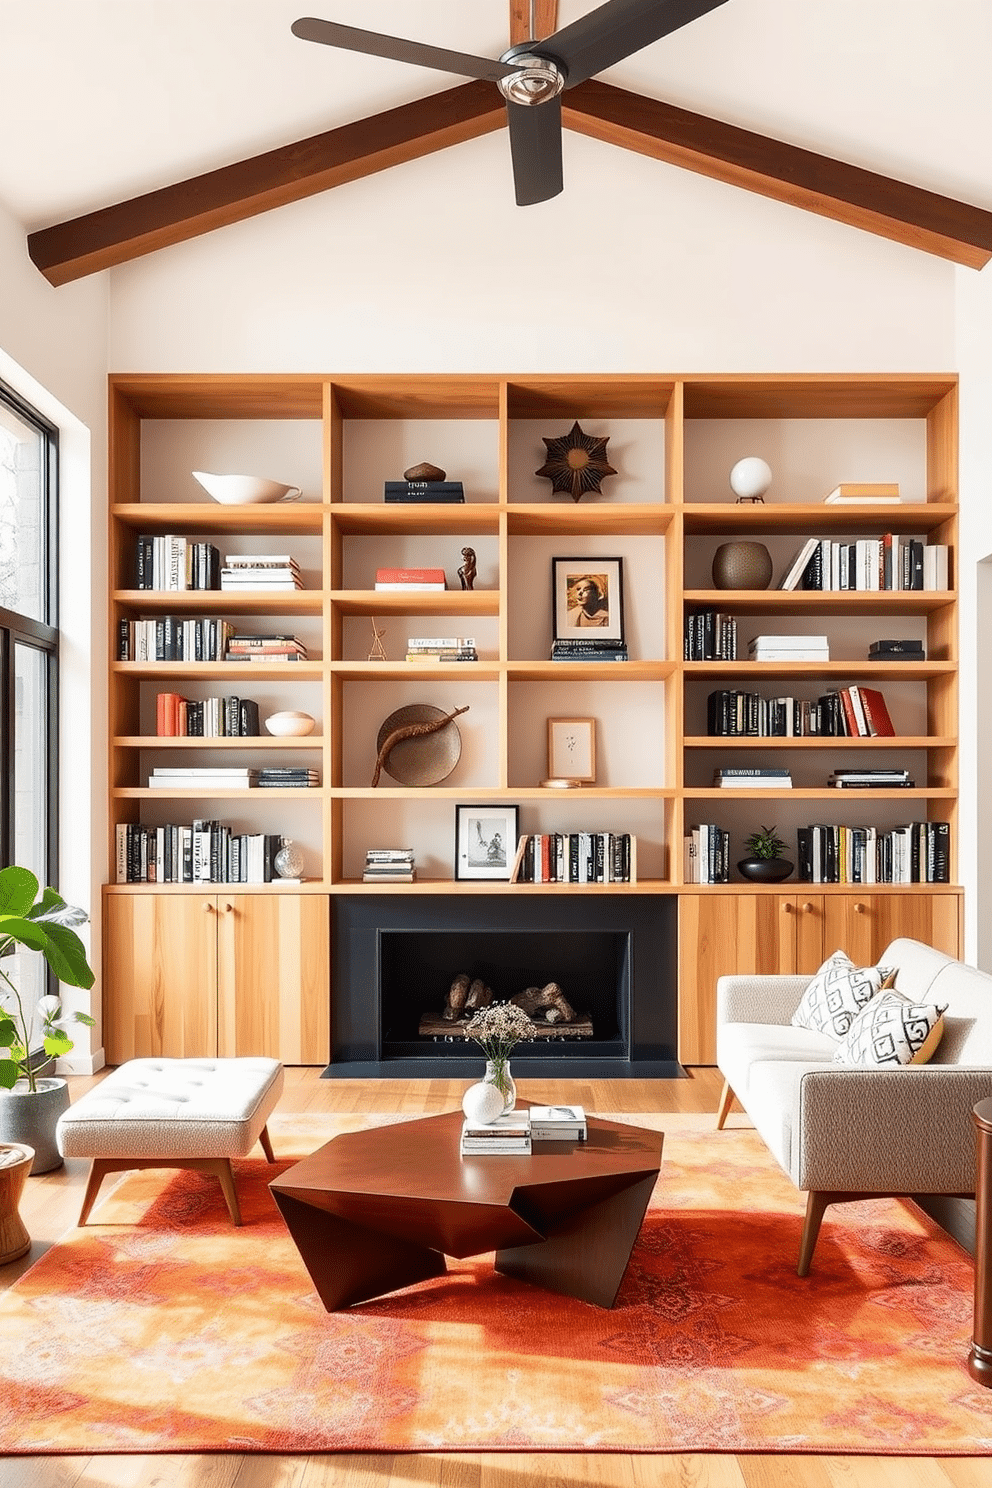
(750, 477)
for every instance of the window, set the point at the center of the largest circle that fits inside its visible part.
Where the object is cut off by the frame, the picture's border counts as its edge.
(28, 655)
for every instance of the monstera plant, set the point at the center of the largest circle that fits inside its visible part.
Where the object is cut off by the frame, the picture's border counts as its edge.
(30, 1104)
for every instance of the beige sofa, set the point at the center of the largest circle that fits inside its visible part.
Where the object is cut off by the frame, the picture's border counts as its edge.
(842, 1133)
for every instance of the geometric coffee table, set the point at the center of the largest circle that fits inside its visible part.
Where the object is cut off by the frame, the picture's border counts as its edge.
(376, 1210)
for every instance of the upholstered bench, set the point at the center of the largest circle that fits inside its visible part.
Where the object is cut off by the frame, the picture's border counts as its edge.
(173, 1113)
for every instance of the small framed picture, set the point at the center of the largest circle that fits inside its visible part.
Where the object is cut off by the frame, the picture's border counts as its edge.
(485, 841)
(572, 749)
(587, 598)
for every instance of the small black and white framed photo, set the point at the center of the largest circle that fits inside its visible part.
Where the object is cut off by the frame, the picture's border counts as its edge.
(485, 841)
(587, 598)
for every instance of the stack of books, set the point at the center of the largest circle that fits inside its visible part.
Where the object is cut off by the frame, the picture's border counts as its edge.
(265, 648)
(737, 777)
(441, 648)
(907, 650)
(709, 635)
(509, 1134)
(706, 855)
(205, 718)
(386, 865)
(882, 779)
(296, 777)
(598, 650)
(207, 777)
(789, 648)
(575, 857)
(169, 561)
(260, 571)
(412, 579)
(558, 1124)
(439, 490)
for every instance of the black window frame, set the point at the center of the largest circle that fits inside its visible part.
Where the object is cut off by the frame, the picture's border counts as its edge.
(17, 628)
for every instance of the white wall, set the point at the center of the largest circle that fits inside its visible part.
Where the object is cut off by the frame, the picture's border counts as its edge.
(53, 350)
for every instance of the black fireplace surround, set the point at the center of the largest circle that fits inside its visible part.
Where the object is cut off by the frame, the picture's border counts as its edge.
(394, 958)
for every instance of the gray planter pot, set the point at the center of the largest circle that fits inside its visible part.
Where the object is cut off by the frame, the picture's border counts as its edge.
(30, 1116)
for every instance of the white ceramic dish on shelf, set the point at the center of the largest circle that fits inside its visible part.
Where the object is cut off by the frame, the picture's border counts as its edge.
(244, 490)
(289, 724)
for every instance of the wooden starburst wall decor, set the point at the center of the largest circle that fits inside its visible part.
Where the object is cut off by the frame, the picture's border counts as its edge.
(576, 463)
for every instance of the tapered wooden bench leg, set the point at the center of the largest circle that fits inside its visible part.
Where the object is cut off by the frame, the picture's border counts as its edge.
(726, 1101)
(263, 1137)
(99, 1168)
(221, 1167)
(816, 1205)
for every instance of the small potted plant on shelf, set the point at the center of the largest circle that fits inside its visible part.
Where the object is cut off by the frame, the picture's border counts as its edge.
(766, 863)
(31, 1104)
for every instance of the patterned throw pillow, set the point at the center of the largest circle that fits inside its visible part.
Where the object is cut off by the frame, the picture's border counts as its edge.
(837, 994)
(891, 1030)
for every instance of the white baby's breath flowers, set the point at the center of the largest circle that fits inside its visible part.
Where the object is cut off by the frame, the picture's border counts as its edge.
(497, 1028)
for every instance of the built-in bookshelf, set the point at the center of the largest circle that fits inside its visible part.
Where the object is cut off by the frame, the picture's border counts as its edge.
(659, 742)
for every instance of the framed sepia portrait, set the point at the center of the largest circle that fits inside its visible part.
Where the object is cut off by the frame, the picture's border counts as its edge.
(485, 841)
(572, 749)
(587, 599)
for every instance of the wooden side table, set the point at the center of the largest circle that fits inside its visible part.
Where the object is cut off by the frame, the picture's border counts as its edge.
(15, 1165)
(980, 1357)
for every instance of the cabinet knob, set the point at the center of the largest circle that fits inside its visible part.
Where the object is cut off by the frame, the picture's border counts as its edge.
(788, 907)
(207, 907)
(228, 906)
(859, 908)
(807, 908)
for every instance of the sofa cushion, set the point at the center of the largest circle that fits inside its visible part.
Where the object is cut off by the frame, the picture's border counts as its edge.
(740, 1046)
(891, 1030)
(837, 993)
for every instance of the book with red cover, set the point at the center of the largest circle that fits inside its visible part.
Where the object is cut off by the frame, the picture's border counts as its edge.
(167, 714)
(876, 712)
(409, 578)
(850, 717)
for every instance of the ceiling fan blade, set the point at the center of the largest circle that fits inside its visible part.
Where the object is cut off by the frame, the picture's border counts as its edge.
(615, 31)
(535, 149)
(374, 44)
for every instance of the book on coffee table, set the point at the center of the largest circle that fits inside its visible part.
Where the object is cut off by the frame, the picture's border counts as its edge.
(558, 1123)
(509, 1133)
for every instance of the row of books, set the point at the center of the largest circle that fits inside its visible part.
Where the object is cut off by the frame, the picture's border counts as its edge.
(171, 562)
(221, 777)
(709, 635)
(576, 857)
(891, 562)
(848, 712)
(205, 718)
(173, 638)
(914, 852)
(203, 852)
(589, 650)
(706, 854)
(385, 865)
(441, 648)
(267, 572)
(740, 777)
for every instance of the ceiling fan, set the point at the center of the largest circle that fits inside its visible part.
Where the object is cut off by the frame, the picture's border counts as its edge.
(532, 75)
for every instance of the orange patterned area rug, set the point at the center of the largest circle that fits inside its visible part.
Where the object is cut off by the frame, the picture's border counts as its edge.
(161, 1328)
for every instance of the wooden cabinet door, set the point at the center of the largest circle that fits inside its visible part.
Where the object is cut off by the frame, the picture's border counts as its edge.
(273, 958)
(720, 934)
(160, 979)
(862, 924)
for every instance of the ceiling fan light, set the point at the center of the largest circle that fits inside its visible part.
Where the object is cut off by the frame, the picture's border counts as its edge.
(536, 81)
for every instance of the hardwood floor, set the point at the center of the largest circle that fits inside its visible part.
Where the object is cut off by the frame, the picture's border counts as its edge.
(51, 1205)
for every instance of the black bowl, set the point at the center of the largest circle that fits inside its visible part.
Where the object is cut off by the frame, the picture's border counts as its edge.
(766, 870)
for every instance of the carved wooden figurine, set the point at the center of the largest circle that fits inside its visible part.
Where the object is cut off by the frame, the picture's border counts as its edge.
(467, 571)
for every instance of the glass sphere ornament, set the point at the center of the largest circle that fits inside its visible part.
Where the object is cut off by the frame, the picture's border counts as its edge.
(483, 1102)
(289, 860)
(750, 477)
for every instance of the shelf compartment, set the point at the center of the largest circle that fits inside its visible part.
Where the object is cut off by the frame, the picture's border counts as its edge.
(288, 519)
(233, 741)
(488, 886)
(208, 671)
(893, 602)
(823, 671)
(209, 793)
(814, 396)
(818, 793)
(629, 517)
(503, 793)
(222, 601)
(415, 601)
(799, 517)
(408, 671)
(580, 671)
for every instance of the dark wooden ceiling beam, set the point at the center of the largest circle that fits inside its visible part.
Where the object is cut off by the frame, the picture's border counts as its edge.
(545, 20)
(113, 235)
(861, 198)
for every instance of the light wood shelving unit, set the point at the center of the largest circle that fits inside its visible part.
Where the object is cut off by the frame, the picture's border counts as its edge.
(673, 441)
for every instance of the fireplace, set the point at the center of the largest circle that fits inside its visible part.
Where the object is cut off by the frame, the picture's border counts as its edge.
(394, 959)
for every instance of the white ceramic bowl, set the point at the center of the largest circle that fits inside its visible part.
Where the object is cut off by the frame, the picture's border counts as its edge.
(289, 723)
(244, 490)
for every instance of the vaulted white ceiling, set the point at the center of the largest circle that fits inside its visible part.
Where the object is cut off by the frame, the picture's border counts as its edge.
(101, 100)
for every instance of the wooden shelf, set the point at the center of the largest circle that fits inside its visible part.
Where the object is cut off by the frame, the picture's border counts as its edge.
(220, 601)
(821, 602)
(811, 519)
(751, 742)
(263, 742)
(821, 671)
(372, 602)
(288, 519)
(217, 671)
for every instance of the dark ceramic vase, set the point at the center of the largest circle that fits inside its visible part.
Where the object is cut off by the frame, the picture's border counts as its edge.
(742, 565)
(765, 870)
